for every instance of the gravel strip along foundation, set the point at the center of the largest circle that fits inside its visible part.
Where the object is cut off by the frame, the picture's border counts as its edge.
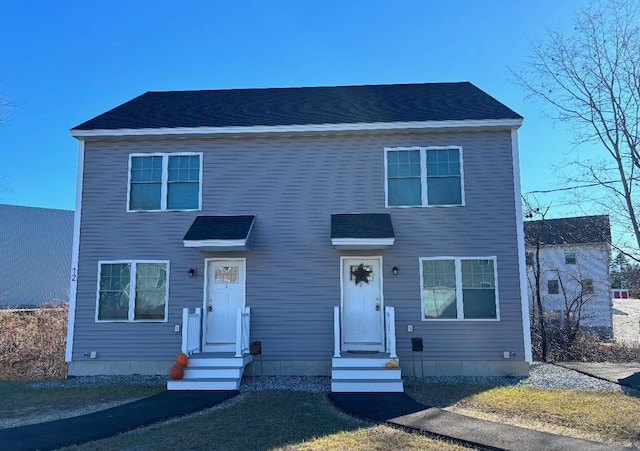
(542, 375)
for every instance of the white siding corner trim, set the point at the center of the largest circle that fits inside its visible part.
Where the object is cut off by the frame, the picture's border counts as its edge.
(73, 287)
(524, 296)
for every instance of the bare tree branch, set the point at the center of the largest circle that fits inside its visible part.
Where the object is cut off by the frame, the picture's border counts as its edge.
(591, 79)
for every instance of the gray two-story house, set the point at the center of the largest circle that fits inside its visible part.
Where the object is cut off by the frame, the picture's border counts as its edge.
(324, 231)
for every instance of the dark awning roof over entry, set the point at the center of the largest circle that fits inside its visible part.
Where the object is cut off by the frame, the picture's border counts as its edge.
(362, 231)
(220, 233)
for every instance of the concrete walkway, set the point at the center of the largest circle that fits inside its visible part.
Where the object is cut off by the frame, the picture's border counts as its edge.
(624, 374)
(399, 409)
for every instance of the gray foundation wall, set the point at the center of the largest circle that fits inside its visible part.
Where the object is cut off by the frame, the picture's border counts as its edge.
(410, 368)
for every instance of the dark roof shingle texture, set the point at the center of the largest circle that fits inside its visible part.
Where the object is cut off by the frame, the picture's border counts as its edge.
(220, 228)
(303, 106)
(362, 226)
(578, 230)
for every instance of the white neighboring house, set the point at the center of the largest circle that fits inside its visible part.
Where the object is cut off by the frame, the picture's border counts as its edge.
(574, 265)
(35, 255)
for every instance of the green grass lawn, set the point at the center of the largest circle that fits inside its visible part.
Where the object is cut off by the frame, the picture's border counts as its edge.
(610, 415)
(287, 420)
(270, 420)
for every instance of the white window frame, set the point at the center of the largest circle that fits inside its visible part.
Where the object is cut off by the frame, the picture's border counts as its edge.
(132, 292)
(459, 295)
(423, 176)
(165, 179)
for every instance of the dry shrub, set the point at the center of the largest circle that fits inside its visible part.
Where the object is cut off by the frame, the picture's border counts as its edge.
(32, 343)
(587, 346)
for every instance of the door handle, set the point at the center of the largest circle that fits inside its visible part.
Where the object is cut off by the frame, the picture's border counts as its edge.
(210, 308)
(377, 307)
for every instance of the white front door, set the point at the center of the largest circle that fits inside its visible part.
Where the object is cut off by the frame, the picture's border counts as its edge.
(362, 306)
(225, 295)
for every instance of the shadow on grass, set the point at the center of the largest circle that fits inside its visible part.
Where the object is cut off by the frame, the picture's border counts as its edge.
(254, 420)
(441, 394)
(630, 385)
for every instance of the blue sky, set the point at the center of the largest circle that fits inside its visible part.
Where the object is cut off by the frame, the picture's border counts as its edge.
(64, 62)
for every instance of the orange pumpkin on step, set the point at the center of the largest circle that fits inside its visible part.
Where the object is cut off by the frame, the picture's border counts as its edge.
(182, 360)
(176, 372)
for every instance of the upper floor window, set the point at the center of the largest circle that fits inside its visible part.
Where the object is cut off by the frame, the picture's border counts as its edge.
(422, 176)
(529, 258)
(553, 286)
(161, 182)
(132, 291)
(459, 288)
(570, 257)
(587, 286)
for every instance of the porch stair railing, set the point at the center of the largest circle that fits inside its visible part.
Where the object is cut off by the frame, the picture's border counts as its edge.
(212, 370)
(390, 331)
(191, 330)
(243, 326)
(366, 372)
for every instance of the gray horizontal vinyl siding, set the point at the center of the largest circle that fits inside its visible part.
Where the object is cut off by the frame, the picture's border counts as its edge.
(293, 184)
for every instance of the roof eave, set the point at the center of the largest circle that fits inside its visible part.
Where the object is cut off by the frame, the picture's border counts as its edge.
(305, 128)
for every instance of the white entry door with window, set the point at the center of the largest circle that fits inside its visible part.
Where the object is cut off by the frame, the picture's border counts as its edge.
(224, 296)
(362, 304)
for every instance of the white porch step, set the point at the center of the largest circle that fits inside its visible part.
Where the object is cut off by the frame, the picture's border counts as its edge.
(211, 371)
(361, 361)
(366, 373)
(204, 384)
(366, 386)
(211, 359)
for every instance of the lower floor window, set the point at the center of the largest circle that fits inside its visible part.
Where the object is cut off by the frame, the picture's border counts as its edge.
(132, 291)
(459, 288)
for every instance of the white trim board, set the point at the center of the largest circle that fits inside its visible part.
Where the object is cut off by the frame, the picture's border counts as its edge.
(73, 288)
(226, 245)
(360, 126)
(362, 243)
(524, 296)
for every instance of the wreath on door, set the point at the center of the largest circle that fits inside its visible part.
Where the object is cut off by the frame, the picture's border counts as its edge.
(361, 274)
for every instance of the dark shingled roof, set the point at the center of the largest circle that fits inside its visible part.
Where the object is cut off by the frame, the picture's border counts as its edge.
(303, 106)
(372, 225)
(580, 230)
(220, 228)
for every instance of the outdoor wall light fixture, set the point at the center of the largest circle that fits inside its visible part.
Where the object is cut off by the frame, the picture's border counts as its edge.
(192, 272)
(395, 270)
